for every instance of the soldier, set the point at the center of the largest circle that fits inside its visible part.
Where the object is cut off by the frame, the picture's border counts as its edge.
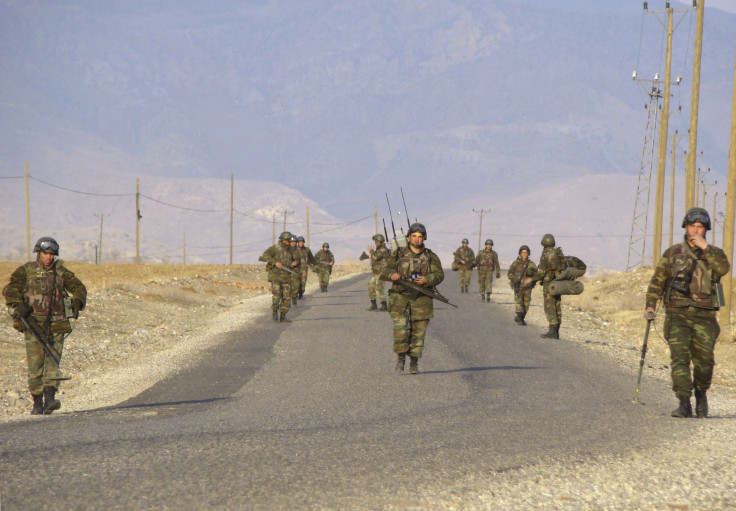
(521, 273)
(464, 257)
(309, 262)
(324, 262)
(687, 279)
(379, 258)
(38, 291)
(487, 263)
(280, 263)
(296, 277)
(411, 310)
(546, 272)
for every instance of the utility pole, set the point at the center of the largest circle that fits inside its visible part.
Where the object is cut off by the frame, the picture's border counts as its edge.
(184, 249)
(480, 212)
(699, 5)
(101, 217)
(286, 212)
(28, 219)
(715, 217)
(232, 185)
(307, 225)
(728, 221)
(375, 217)
(137, 222)
(273, 233)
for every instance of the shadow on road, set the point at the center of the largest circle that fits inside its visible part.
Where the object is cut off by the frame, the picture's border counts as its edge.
(490, 368)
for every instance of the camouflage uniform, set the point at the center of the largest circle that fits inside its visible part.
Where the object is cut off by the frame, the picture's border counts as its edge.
(296, 277)
(309, 258)
(324, 261)
(546, 272)
(464, 253)
(43, 289)
(280, 279)
(379, 258)
(487, 264)
(690, 326)
(518, 271)
(410, 310)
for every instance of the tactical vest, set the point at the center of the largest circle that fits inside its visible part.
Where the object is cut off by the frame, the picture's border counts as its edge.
(378, 265)
(517, 270)
(485, 260)
(42, 292)
(408, 263)
(693, 272)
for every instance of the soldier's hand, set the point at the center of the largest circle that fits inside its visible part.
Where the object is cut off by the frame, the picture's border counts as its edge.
(76, 307)
(395, 276)
(369, 248)
(698, 241)
(421, 280)
(294, 263)
(18, 325)
(649, 314)
(278, 265)
(23, 310)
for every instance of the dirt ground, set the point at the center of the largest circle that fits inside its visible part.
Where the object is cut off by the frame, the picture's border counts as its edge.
(138, 313)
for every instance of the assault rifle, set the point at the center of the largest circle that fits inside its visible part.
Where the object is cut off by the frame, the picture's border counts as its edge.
(47, 343)
(432, 293)
(283, 267)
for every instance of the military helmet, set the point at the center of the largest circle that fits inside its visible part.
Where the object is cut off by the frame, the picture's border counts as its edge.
(697, 215)
(489, 241)
(300, 238)
(292, 238)
(286, 235)
(325, 244)
(465, 240)
(525, 247)
(379, 237)
(548, 240)
(417, 227)
(46, 244)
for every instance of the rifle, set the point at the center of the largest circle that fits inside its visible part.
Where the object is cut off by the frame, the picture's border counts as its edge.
(405, 211)
(650, 318)
(283, 267)
(47, 344)
(397, 242)
(432, 293)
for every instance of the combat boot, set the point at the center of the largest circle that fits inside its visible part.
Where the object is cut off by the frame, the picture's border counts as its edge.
(462, 289)
(552, 333)
(685, 410)
(466, 289)
(37, 404)
(518, 319)
(275, 316)
(488, 297)
(373, 307)
(701, 404)
(413, 365)
(293, 302)
(284, 319)
(400, 361)
(384, 306)
(483, 298)
(50, 402)
(523, 321)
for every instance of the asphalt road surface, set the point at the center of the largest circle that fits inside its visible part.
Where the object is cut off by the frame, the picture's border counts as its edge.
(312, 415)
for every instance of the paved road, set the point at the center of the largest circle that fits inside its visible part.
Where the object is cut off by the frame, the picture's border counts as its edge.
(312, 415)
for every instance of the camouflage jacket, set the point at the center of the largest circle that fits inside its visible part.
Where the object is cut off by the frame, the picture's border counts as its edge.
(379, 259)
(282, 254)
(464, 254)
(487, 261)
(549, 262)
(324, 259)
(305, 257)
(687, 269)
(519, 270)
(405, 262)
(44, 289)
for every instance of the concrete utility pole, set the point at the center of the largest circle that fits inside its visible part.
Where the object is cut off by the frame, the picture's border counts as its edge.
(28, 219)
(308, 226)
(101, 217)
(375, 217)
(728, 221)
(137, 222)
(672, 186)
(232, 186)
(694, 104)
(480, 212)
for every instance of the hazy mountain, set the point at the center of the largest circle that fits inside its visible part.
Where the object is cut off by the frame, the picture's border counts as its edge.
(463, 104)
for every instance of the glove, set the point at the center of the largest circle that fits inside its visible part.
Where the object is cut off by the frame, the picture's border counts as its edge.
(23, 310)
(18, 325)
(76, 307)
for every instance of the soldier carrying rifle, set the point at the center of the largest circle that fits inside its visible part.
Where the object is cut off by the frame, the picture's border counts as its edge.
(38, 296)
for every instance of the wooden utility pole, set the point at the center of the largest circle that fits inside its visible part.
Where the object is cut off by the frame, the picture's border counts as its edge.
(375, 217)
(480, 212)
(137, 222)
(28, 218)
(690, 198)
(715, 217)
(184, 249)
(728, 221)
(232, 185)
(662, 148)
(102, 217)
(672, 189)
(307, 225)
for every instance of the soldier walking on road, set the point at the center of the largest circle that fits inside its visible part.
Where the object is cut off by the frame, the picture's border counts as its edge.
(411, 310)
(487, 263)
(37, 292)
(549, 262)
(296, 277)
(379, 258)
(280, 263)
(521, 273)
(464, 257)
(325, 261)
(309, 257)
(687, 279)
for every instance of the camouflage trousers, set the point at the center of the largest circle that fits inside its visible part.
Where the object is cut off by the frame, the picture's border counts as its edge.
(464, 275)
(281, 296)
(691, 338)
(296, 282)
(485, 281)
(409, 335)
(523, 299)
(324, 277)
(552, 306)
(42, 368)
(303, 280)
(375, 288)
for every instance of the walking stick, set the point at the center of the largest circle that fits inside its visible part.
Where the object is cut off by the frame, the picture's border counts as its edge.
(650, 318)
